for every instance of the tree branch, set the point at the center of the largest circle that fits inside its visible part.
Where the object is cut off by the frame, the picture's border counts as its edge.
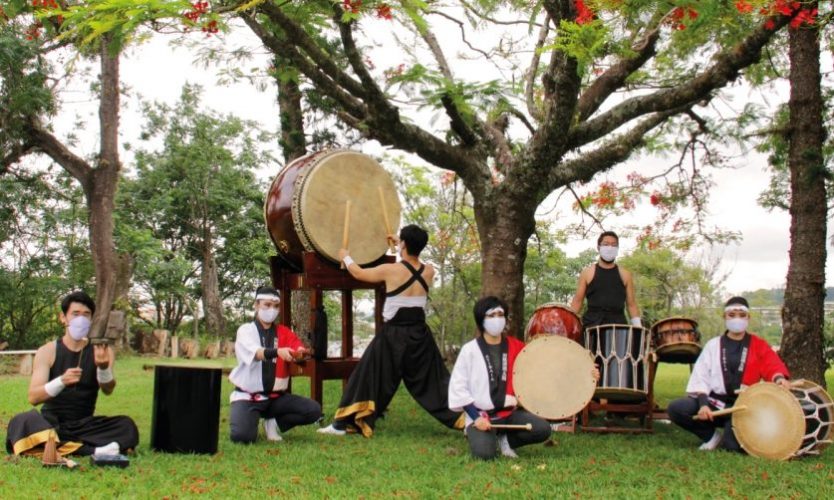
(72, 163)
(606, 156)
(15, 155)
(616, 75)
(529, 92)
(725, 69)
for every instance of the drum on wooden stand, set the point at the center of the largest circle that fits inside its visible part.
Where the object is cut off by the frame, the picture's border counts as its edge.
(779, 423)
(305, 207)
(676, 340)
(620, 353)
(552, 377)
(554, 319)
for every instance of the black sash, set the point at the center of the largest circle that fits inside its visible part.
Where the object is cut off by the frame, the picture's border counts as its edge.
(268, 341)
(416, 275)
(732, 381)
(497, 383)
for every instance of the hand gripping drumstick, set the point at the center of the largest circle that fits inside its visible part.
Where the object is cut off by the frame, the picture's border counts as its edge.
(346, 229)
(723, 412)
(385, 217)
(514, 427)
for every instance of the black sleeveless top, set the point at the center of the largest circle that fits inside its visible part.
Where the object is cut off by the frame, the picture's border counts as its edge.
(77, 401)
(606, 295)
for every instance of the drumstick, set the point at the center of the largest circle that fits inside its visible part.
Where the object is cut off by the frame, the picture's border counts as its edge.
(517, 427)
(725, 411)
(385, 217)
(346, 229)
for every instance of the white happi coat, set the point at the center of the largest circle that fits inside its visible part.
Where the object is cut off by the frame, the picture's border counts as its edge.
(470, 382)
(248, 374)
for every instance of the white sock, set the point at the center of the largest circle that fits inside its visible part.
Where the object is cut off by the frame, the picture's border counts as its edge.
(108, 449)
(331, 430)
(271, 430)
(505, 447)
(713, 442)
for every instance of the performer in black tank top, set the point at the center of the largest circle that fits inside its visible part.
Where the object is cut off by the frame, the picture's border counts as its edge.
(67, 375)
(608, 287)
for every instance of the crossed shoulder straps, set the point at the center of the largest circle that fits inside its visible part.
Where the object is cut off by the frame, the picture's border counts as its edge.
(416, 275)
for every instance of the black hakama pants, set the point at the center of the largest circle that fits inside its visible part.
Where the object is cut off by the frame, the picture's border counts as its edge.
(29, 431)
(405, 351)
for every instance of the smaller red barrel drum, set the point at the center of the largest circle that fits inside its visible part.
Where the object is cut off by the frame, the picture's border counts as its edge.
(676, 340)
(554, 319)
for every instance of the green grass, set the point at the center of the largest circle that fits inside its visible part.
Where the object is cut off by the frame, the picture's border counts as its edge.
(410, 456)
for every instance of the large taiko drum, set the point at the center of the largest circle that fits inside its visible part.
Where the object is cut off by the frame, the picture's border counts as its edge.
(306, 203)
(779, 423)
(620, 354)
(676, 340)
(554, 319)
(552, 377)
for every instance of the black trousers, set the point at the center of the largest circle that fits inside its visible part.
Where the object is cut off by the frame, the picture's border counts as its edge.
(405, 351)
(681, 412)
(288, 410)
(484, 444)
(81, 437)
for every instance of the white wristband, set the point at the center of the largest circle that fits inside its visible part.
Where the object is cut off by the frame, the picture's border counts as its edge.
(104, 375)
(54, 387)
(635, 321)
(348, 261)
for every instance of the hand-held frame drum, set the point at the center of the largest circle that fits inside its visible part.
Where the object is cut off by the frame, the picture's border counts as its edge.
(305, 207)
(552, 377)
(676, 340)
(782, 423)
(554, 319)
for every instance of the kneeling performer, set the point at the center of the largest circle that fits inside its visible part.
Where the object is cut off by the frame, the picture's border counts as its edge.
(264, 350)
(482, 386)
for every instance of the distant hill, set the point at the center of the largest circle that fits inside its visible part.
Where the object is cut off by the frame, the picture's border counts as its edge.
(764, 297)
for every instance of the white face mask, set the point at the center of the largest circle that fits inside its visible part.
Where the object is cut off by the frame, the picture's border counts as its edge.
(494, 326)
(79, 327)
(607, 253)
(736, 325)
(267, 315)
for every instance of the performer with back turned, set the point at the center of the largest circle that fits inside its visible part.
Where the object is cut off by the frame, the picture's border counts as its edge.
(66, 377)
(608, 287)
(735, 359)
(482, 386)
(264, 350)
(403, 350)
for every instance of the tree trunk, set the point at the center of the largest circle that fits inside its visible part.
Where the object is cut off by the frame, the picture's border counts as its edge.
(802, 314)
(504, 230)
(212, 304)
(100, 191)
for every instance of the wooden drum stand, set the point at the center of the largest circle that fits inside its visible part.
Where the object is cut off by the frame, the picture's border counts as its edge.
(320, 275)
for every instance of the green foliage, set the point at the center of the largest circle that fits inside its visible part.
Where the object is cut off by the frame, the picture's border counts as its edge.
(43, 254)
(667, 285)
(196, 196)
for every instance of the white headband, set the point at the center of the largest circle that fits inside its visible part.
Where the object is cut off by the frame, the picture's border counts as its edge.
(268, 296)
(494, 309)
(736, 307)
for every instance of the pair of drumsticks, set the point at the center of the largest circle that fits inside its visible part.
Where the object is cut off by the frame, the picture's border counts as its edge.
(346, 228)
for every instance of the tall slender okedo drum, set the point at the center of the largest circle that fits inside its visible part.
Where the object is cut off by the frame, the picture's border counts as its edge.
(620, 353)
(554, 319)
(306, 204)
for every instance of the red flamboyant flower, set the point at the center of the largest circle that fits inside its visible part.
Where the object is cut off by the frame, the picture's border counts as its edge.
(769, 25)
(352, 5)
(743, 7)
(805, 16)
(584, 15)
(656, 198)
(383, 11)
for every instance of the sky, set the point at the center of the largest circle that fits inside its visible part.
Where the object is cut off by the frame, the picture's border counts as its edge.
(157, 71)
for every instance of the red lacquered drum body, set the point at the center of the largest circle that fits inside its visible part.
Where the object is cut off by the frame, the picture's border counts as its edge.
(554, 319)
(306, 203)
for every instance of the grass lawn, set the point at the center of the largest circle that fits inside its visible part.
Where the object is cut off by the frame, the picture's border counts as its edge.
(410, 456)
